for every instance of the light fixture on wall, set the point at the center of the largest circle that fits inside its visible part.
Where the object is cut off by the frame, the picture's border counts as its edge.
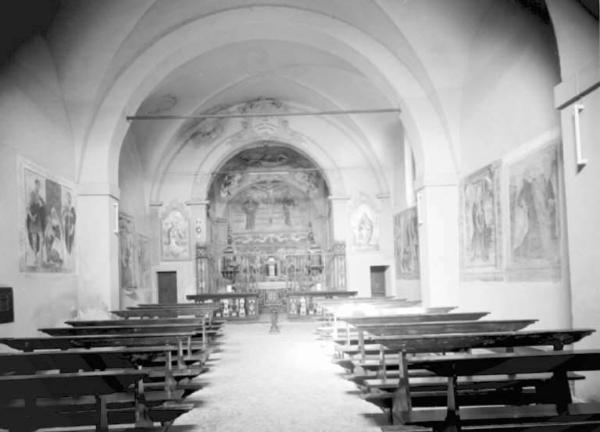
(116, 211)
(419, 197)
(581, 161)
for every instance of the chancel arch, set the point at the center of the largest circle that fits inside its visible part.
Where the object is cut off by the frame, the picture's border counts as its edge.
(269, 222)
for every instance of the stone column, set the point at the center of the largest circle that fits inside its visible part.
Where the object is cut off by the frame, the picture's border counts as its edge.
(437, 209)
(98, 249)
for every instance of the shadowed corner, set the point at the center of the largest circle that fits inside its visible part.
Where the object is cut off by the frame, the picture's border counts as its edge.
(377, 419)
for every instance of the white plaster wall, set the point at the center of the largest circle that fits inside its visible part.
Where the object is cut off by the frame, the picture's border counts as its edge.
(32, 125)
(133, 185)
(507, 107)
(583, 210)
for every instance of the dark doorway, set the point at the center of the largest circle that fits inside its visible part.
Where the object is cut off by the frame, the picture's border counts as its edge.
(167, 287)
(378, 281)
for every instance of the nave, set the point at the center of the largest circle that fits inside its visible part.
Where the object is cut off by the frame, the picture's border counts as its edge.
(278, 382)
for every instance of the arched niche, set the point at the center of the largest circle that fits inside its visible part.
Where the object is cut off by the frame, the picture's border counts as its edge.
(269, 198)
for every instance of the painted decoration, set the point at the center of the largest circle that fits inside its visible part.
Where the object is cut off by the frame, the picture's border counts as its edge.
(128, 259)
(47, 220)
(364, 222)
(145, 267)
(406, 244)
(535, 221)
(175, 233)
(480, 224)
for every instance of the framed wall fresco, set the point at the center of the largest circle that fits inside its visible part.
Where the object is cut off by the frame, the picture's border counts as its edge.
(406, 244)
(47, 219)
(535, 204)
(128, 259)
(145, 268)
(175, 233)
(480, 224)
(364, 223)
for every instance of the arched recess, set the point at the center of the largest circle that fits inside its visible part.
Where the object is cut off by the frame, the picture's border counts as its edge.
(184, 153)
(422, 123)
(270, 196)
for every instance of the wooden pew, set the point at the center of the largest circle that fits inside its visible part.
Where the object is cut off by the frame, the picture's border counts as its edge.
(201, 310)
(213, 325)
(401, 319)
(364, 307)
(431, 328)
(38, 400)
(179, 339)
(198, 331)
(416, 317)
(455, 342)
(403, 365)
(557, 407)
(434, 327)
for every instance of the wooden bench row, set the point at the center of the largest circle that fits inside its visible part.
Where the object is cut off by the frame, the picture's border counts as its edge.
(104, 373)
(422, 369)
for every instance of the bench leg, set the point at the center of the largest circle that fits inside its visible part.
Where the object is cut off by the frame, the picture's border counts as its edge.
(102, 425)
(402, 405)
(452, 422)
(142, 419)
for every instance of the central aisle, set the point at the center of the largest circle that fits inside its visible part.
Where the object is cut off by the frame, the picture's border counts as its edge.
(263, 382)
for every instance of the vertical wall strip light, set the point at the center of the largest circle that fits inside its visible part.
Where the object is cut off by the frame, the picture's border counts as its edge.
(581, 161)
(420, 207)
(116, 210)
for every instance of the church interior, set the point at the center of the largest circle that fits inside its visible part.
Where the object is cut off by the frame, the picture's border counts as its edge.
(297, 177)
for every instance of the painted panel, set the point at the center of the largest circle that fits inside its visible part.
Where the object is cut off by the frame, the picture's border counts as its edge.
(535, 216)
(480, 234)
(128, 260)
(406, 244)
(47, 219)
(175, 233)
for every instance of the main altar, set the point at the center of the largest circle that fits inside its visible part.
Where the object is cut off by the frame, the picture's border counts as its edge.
(269, 231)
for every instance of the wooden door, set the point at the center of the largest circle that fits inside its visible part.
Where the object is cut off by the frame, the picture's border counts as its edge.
(167, 287)
(378, 281)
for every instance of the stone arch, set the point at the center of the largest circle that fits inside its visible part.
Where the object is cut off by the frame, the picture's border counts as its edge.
(99, 161)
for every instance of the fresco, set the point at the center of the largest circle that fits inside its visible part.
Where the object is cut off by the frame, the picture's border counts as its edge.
(175, 233)
(128, 261)
(480, 223)
(406, 244)
(535, 221)
(364, 223)
(47, 219)
(145, 268)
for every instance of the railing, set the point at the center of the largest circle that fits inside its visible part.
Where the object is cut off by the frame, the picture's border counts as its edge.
(251, 271)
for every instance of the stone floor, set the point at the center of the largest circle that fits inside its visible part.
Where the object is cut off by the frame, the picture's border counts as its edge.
(277, 382)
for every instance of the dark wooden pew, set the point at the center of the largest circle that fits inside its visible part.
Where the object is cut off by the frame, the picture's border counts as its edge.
(79, 359)
(46, 400)
(427, 328)
(382, 375)
(401, 345)
(402, 319)
(557, 405)
(180, 339)
(212, 325)
(415, 317)
(435, 327)
(201, 310)
(198, 332)
(366, 307)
